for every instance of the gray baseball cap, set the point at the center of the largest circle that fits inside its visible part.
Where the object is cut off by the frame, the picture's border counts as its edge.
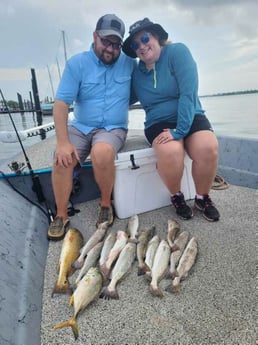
(110, 24)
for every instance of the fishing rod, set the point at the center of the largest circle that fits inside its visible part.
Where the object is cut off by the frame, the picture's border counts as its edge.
(36, 185)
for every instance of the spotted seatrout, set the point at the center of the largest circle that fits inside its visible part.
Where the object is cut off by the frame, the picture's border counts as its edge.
(73, 241)
(121, 268)
(109, 241)
(96, 237)
(185, 264)
(173, 229)
(87, 290)
(133, 228)
(121, 240)
(151, 250)
(180, 241)
(160, 267)
(143, 240)
(91, 260)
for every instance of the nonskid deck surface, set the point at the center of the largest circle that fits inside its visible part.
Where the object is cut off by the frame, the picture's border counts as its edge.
(216, 302)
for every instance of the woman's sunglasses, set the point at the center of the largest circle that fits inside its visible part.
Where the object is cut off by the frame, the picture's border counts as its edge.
(106, 43)
(144, 39)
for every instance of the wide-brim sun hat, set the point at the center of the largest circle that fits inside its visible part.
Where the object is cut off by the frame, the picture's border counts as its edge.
(142, 25)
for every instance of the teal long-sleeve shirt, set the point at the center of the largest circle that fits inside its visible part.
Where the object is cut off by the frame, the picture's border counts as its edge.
(169, 92)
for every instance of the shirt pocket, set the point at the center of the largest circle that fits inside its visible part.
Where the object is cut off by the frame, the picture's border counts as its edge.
(122, 86)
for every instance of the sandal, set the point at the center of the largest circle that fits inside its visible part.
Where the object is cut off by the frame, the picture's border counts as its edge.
(56, 230)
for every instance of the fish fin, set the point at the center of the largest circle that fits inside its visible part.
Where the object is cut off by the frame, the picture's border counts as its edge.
(148, 276)
(64, 288)
(172, 275)
(143, 269)
(71, 301)
(156, 291)
(106, 293)
(58, 267)
(69, 323)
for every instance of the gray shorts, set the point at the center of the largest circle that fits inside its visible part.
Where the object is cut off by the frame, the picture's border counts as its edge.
(116, 138)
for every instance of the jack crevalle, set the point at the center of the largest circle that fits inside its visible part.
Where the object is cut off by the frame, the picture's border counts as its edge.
(87, 290)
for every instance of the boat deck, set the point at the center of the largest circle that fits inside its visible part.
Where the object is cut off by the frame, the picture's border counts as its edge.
(216, 304)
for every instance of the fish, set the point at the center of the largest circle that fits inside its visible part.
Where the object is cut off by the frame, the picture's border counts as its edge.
(185, 264)
(121, 240)
(133, 228)
(121, 268)
(143, 240)
(88, 289)
(96, 237)
(72, 243)
(173, 229)
(91, 260)
(181, 241)
(151, 250)
(159, 268)
(109, 241)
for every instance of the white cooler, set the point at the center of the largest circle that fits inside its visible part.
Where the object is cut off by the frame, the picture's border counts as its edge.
(138, 187)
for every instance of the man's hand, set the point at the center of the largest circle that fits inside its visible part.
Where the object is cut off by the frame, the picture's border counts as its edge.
(65, 154)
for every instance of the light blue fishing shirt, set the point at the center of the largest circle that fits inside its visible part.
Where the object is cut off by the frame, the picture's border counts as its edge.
(101, 92)
(169, 92)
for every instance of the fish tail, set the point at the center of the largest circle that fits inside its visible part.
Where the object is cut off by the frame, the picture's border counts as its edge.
(64, 288)
(156, 291)
(143, 269)
(109, 294)
(69, 323)
(173, 288)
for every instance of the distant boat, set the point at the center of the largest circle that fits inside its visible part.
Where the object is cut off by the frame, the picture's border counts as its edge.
(47, 109)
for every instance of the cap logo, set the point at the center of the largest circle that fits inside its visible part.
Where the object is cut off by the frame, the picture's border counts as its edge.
(138, 24)
(115, 24)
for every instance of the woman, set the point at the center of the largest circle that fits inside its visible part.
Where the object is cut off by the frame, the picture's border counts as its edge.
(166, 83)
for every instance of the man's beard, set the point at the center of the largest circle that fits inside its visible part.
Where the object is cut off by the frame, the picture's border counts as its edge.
(109, 61)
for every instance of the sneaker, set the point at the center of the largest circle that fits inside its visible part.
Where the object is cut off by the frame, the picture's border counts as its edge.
(105, 214)
(182, 209)
(207, 208)
(57, 228)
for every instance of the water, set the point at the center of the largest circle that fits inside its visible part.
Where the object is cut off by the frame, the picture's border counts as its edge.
(235, 115)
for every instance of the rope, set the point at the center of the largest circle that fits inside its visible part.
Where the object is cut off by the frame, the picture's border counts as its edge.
(219, 183)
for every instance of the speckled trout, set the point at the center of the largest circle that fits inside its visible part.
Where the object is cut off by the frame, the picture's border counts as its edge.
(181, 242)
(133, 228)
(143, 240)
(121, 240)
(151, 250)
(87, 290)
(120, 270)
(185, 264)
(95, 238)
(160, 267)
(173, 229)
(91, 260)
(72, 243)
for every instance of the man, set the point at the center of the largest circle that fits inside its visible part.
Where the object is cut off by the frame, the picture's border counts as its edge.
(98, 81)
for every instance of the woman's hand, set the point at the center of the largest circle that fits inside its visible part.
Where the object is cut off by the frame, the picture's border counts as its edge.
(164, 137)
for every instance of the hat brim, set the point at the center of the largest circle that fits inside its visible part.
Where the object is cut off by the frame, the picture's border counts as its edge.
(158, 29)
(110, 33)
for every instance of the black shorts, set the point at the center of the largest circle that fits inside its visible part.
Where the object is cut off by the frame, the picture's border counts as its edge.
(200, 123)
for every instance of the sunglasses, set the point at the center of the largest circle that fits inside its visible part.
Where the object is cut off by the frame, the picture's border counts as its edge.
(144, 39)
(106, 43)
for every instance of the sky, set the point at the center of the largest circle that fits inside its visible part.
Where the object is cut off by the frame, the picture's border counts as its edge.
(221, 34)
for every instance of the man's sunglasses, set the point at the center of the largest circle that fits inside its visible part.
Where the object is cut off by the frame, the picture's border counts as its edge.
(106, 43)
(144, 39)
